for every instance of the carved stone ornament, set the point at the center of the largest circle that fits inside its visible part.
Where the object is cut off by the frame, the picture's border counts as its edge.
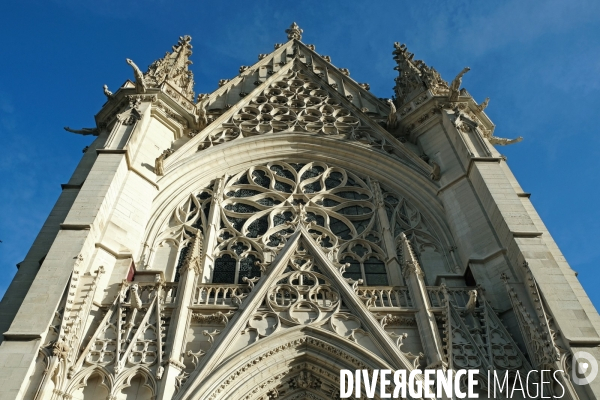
(436, 172)
(294, 32)
(108, 93)
(483, 105)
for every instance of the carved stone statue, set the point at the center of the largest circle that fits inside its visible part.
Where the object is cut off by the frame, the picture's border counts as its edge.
(108, 93)
(158, 165)
(455, 85)
(436, 172)
(201, 118)
(159, 372)
(483, 105)
(135, 299)
(392, 120)
(470, 307)
(140, 83)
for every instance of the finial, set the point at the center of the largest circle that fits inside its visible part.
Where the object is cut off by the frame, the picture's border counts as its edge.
(294, 32)
(409, 260)
(192, 260)
(483, 105)
(173, 68)
(414, 76)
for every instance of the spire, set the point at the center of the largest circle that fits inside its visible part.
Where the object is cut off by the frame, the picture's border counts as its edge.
(409, 260)
(173, 68)
(294, 32)
(192, 259)
(414, 76)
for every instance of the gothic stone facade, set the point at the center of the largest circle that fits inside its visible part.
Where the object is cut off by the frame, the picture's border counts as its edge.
(251, 242)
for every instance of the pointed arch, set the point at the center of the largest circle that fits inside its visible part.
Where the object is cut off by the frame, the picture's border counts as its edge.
(89, 382)
(135, 384)
(363, 344)
(270, 364)
(234, 157)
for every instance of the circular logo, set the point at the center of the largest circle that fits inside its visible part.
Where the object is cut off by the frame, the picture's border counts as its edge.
(584, 364)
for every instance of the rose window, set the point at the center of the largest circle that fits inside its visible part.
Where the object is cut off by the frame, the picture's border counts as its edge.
(266, 202)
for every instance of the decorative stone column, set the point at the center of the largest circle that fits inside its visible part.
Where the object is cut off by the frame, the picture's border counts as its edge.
(393, 266)
(181, 318)
(212, 229)
(430, 337)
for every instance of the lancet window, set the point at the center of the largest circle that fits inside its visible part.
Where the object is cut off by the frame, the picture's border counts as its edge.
(237, 260)
(365, 263)
(186, 221)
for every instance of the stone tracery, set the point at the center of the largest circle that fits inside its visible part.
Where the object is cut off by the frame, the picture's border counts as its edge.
(296, 103)
(260, 207)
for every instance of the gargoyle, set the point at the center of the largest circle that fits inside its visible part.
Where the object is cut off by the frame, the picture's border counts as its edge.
(140, 84)
(502, 141)
(455, 85)
(392, 120)
(83, 131)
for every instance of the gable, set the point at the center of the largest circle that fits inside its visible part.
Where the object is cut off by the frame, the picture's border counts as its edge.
(301, 289)
(230, 91)
(296, 101)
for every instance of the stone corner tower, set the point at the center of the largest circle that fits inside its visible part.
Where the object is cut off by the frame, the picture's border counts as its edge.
(251, 242)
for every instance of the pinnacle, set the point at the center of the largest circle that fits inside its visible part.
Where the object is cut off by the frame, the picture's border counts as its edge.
(172, 68)
(414, 76)
(294, 32)
(407, 251)
(195, 249)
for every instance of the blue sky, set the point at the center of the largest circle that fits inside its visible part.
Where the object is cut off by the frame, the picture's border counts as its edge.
(539, 62)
